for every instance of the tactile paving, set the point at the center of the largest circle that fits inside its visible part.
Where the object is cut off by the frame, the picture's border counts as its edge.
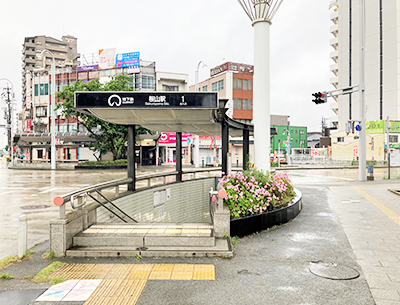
(123, 283)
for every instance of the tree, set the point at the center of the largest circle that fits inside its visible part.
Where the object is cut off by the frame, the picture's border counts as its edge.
(108, 136)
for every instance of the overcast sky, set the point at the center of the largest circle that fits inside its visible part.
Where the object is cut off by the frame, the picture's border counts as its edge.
(177, 34)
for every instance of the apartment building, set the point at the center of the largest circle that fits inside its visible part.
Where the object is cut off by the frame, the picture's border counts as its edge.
(382, 59)
(65, 52)
(382, 78)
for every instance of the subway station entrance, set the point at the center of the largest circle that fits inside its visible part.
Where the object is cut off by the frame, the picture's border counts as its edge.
(172, 219)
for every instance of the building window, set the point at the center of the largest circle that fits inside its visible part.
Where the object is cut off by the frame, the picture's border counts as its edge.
(302, 142)
(147, 82)
(218, 86)
(249, 104)
(44, 89)
(40, 153)
(244, 104)
(340, 139)
(41, 111)
(301, 131)
(250, 85)
(393, 139)
(170, 88)
(245, 84)
(205, 89)
(36, 90)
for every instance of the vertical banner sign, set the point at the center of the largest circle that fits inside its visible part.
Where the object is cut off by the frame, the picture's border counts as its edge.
(106, 59)
(28, 90)
(355, 150)
(28, 126)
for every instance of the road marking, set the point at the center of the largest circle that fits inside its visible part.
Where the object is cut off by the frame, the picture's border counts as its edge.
(49, 190)
(7, 193)
(388, 212)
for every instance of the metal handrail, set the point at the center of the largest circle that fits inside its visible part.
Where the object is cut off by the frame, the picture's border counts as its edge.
(81, 194)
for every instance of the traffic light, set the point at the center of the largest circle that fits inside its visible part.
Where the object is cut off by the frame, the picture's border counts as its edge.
(320, 97)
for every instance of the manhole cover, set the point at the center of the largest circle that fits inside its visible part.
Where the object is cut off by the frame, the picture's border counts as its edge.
(333, 271)
(34, 207)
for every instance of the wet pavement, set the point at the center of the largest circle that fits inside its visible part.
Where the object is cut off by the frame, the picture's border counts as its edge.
(353, 225)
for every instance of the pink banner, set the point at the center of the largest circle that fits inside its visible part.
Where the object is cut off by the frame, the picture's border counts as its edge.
(170, 138)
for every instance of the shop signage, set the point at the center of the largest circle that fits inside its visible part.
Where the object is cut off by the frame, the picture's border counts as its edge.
(232, 66)
(129, 60)
(106, 59)
(28, 90)
(378, 127)
(355, 150)
(28, 126)
(87, 68)
(170, 137)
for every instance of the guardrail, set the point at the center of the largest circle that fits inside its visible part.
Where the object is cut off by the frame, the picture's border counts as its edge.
(79, 198)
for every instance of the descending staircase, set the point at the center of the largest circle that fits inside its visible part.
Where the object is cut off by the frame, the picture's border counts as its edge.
(149, 240)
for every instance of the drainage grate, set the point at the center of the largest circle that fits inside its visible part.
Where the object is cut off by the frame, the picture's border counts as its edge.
(34, 207)
(333, 271)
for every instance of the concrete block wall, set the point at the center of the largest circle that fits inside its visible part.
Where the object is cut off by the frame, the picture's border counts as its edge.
(189, 202)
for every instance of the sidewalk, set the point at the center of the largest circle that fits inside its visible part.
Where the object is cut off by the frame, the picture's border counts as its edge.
(350, 224)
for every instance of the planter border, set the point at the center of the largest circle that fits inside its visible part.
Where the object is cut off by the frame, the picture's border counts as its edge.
(256, 223)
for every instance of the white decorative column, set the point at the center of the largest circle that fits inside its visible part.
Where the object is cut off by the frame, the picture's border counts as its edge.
(260, 13)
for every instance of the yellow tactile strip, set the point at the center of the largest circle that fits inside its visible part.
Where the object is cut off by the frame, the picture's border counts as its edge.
(388, 212)
(123, 283)
(149, 228)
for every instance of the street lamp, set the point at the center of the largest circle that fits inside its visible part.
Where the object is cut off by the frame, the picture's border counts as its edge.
(197, 75)
(52, 108)
(261, 13)
(196, 145)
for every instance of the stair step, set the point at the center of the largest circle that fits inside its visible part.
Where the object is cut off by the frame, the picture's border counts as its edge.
(138, 235)
(222, 248)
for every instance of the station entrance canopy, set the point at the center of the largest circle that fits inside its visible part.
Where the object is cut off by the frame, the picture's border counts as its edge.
(193, 112)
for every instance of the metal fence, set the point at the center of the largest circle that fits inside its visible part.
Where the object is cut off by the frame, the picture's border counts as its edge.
(310, 156)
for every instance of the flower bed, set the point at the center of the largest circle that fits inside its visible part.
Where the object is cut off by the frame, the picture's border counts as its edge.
(256, 192)
(258, 200)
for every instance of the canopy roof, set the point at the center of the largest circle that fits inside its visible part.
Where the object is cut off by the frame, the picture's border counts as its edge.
(199, 113)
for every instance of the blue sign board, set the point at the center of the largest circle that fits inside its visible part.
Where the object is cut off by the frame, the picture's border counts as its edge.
(128, 60)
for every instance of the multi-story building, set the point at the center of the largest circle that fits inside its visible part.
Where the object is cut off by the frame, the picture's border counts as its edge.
(382, 59)
(234, 82)
(38, 117)
(65, 52)
(382, 73)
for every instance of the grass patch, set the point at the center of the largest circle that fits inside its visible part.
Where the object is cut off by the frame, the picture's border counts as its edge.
(57, 280)
(6, 276)
(49, 255)
(28, 277)
(234, 241)
(43, 275)
(15, 259)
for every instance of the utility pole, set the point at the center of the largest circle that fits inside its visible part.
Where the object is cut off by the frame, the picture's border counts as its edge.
(9, 120)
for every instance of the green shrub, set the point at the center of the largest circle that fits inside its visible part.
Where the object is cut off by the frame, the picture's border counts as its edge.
(122, 162)
(368, 162)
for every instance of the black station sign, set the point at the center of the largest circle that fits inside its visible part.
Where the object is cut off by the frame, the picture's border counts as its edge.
(134, 100)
